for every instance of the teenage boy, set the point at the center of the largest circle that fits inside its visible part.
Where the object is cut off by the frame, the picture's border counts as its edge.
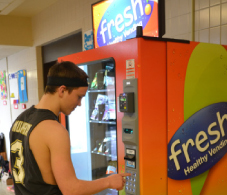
(40, 145)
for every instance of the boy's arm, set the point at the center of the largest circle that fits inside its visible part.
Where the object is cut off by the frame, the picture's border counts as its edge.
(69, 184)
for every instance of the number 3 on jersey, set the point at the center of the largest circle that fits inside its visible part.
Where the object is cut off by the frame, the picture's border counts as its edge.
(18, 169)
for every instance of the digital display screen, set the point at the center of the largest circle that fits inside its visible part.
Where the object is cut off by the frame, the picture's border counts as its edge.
(116, 20)
(128, 131)
(123, 99)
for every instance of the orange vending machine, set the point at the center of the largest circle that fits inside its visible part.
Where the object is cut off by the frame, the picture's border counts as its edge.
(155, 108)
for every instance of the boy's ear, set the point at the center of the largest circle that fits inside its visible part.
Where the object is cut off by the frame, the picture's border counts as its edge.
(61, 90)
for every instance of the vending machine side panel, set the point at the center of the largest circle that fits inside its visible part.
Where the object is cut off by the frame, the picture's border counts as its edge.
(197, 99)
(178, 56)
(152, 117)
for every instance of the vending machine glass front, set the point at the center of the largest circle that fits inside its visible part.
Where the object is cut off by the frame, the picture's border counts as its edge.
(92, 126)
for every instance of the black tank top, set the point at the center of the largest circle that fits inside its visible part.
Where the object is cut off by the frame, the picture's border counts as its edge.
(26, 174)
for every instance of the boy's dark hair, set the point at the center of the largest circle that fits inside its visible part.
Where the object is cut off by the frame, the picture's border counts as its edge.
(65, 69)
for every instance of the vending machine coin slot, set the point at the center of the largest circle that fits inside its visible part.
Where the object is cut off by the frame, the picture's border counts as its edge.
(127, 102)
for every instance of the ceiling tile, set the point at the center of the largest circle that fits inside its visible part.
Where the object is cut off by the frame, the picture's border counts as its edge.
(3, 5)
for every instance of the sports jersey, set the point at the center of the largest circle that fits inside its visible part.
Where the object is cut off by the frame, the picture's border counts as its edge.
(26, 173)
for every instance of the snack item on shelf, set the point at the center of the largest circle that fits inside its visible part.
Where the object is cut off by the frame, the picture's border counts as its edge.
(100, 148)
(107, 151)
(94, 84)
(106, 144)
(100, 79)
(101, 99)
(94, 114)
(109, 78)
(103, 78)
(111, 110)
(112, 167)
(103, 146)
(101, 110)
(105, 115)
(112, 143)
(97, 146)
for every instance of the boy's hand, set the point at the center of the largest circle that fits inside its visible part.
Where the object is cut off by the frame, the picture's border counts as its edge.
(117, 181)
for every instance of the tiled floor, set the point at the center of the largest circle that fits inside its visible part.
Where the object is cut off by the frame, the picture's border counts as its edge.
(3, 189)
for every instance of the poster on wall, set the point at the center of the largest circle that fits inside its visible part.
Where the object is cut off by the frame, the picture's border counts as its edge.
(13, 85)
(3, 85)
(197, 115)
(22, 85)
(88, 40)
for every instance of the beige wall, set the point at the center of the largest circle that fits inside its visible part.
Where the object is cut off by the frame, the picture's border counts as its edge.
(211, 21)
(16, 31)
(62, 19)
(179, 19)
(198, 20)
(26, 59)
(5, 114)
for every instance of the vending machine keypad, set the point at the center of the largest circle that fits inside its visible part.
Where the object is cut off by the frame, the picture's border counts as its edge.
(130, 185)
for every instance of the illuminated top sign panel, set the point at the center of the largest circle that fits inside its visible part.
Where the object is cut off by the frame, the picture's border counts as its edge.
(116, 20)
